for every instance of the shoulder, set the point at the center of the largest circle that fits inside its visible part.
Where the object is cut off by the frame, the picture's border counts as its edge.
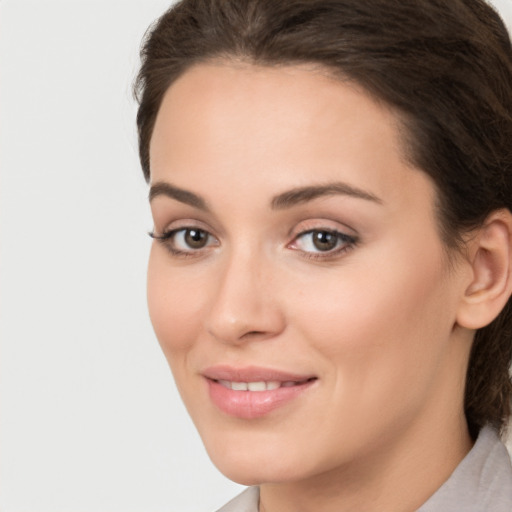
(247, 501)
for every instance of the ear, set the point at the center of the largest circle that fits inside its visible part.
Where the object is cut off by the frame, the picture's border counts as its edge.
(490, 258)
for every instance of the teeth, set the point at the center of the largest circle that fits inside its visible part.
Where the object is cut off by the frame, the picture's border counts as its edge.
(256, 386)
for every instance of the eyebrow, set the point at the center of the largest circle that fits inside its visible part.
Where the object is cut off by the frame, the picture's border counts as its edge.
(183, 196)
(282, 201)
(304, 194)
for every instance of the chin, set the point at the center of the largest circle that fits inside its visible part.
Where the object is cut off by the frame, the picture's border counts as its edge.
(253, 475)
(254, 464)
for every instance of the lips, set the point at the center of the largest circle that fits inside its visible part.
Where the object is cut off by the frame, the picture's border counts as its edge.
(253, 392)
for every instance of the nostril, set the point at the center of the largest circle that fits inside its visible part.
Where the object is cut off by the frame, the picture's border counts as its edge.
(252, 334)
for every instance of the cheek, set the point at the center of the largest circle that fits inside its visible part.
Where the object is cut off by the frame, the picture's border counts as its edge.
(173, 304)
(380, 333)
(380, 326)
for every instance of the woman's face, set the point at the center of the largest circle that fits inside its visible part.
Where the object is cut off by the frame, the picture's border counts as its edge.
(299, 288)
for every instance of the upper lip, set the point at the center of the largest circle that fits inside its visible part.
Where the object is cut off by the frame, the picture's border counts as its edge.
(252, 374)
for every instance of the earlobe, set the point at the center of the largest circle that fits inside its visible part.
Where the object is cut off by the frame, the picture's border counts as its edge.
(490, 253)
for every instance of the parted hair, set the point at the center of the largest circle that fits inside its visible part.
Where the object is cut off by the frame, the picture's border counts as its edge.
(443, 66)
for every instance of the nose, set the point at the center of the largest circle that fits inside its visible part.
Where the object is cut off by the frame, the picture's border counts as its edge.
(244, 305)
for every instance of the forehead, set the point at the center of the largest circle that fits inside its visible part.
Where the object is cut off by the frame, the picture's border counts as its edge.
(281, 125)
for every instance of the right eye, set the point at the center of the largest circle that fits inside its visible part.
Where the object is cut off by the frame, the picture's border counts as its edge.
(186, 240)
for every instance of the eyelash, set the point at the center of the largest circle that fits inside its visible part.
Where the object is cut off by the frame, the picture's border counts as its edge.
(348, 243)
(166, 239)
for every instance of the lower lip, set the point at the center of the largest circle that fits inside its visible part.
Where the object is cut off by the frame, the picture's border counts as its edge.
(253, 404)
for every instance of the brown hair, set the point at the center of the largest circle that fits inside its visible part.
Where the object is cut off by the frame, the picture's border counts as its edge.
(445, 66)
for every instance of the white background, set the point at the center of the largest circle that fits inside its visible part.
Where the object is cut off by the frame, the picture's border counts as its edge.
(89, 420)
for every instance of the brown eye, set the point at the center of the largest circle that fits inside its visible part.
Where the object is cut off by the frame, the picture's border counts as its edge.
(324, 240)
(186, 241)
(195, 238)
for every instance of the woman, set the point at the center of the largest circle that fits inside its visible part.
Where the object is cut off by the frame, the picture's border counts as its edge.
(330, 279)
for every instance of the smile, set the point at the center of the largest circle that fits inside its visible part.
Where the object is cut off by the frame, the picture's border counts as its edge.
(257, 386)
(250, 393)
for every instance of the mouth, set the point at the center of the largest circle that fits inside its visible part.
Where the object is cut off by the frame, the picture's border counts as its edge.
(259, 386)
(251, 393)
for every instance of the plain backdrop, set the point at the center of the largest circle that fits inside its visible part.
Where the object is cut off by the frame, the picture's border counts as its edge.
(89, 417)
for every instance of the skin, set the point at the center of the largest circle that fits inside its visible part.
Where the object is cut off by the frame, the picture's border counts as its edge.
(376, 322)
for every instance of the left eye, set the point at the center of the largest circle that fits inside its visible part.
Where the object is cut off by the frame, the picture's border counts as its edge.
(322, 240)
(185, 240)
(191, 238)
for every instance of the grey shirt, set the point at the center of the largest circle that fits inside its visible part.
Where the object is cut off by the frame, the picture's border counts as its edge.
(482, 482)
